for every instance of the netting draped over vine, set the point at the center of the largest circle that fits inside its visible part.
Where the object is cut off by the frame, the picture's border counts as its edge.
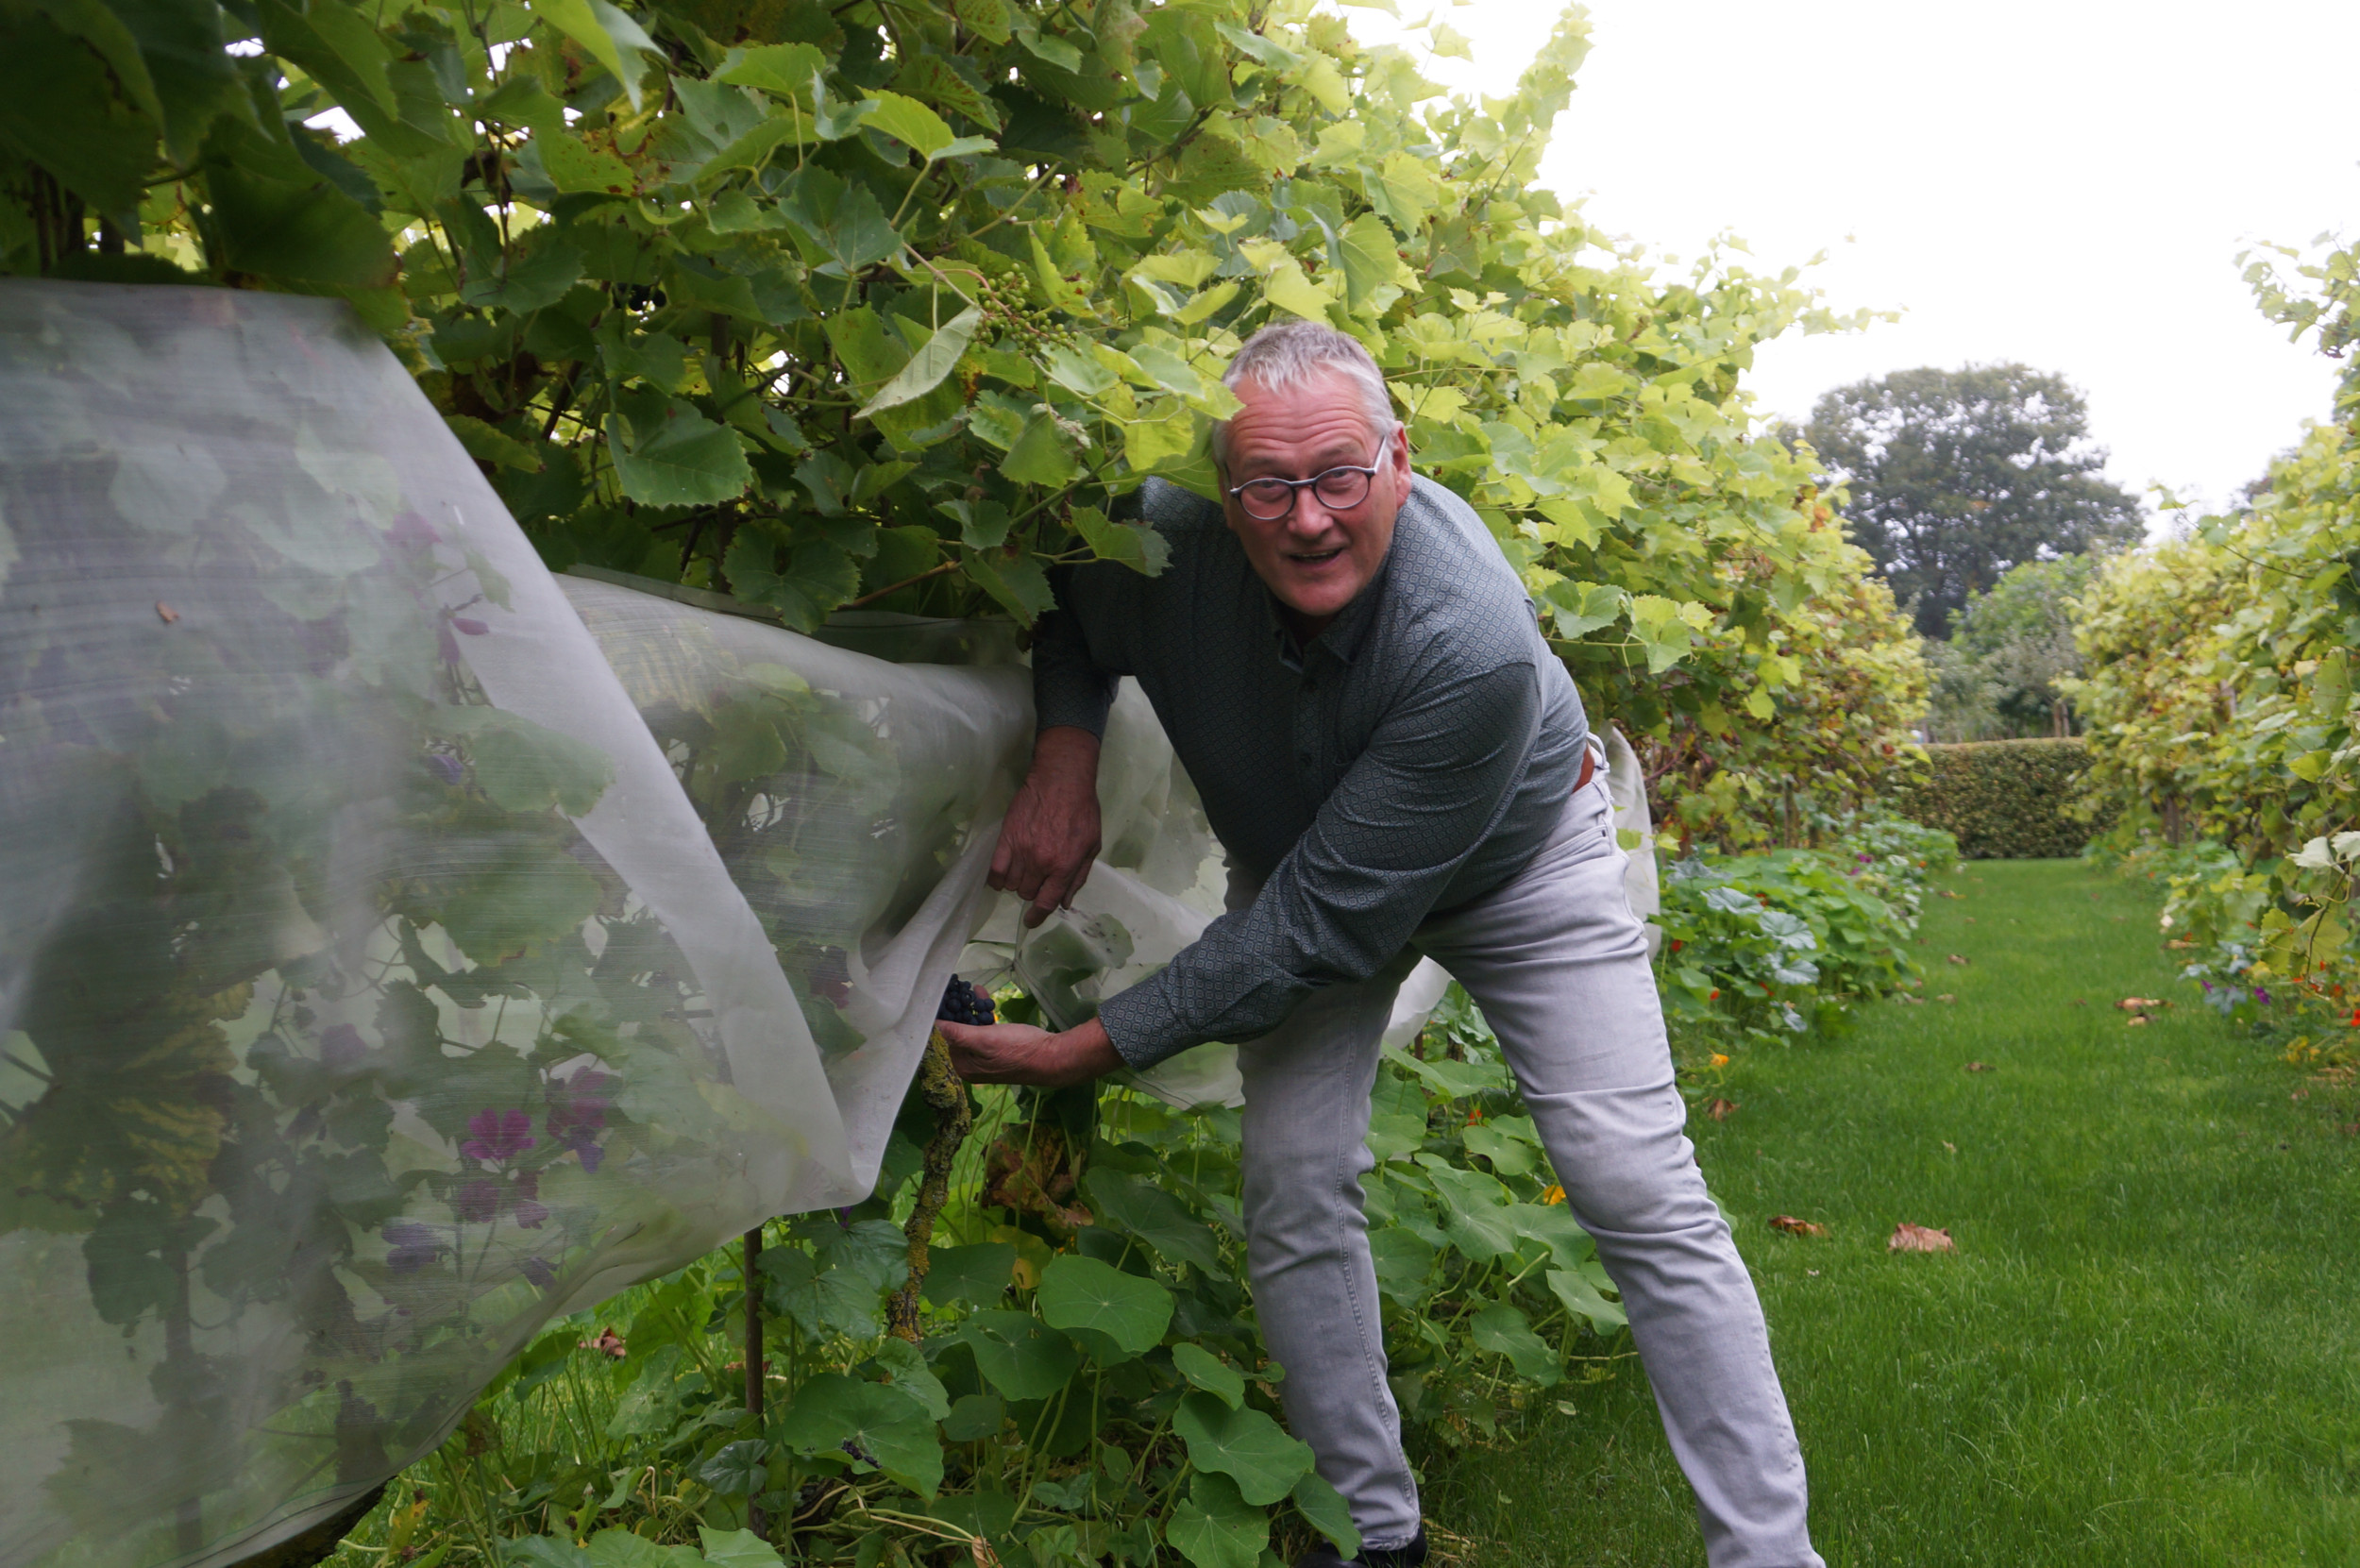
(399, 946)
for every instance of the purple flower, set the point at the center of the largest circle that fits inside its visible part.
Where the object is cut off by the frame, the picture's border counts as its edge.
(538, 1271)
(469, 625)
(414, 1246)
(2261, 995)
(341, 1045)
(446, 767)
(476, 1201)
(530, 1213)
(411, 531)
(578, 1109)
(500, 1135)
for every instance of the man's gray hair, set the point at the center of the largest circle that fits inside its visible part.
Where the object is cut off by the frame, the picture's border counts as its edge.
(1289, 354)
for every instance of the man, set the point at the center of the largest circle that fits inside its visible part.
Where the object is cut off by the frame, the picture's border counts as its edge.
(1395, 765)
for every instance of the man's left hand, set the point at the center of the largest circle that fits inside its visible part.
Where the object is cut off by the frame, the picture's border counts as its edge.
(1019, 1054)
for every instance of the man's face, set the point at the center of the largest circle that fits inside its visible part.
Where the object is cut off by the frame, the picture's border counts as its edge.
(1316, 557)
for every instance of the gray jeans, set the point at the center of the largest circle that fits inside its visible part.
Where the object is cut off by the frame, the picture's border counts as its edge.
(1559, 965)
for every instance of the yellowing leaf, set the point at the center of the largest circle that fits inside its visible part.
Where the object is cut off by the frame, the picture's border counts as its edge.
(1290, 290)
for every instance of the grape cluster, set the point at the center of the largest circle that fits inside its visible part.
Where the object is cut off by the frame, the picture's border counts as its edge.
(965, 1004)
(1007, 303)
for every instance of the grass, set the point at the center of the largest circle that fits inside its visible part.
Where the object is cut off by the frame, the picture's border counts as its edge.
(2145, 1350)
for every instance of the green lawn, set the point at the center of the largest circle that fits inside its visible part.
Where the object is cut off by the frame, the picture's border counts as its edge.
(2145, 1350)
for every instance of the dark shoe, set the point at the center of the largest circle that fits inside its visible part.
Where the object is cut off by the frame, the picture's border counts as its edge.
(1408, 1555)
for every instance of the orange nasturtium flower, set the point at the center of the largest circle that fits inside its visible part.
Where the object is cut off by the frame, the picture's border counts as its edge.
(1554, 1195)
(1719, 1060)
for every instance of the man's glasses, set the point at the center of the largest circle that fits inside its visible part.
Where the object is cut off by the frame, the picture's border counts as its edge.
(1267, 501)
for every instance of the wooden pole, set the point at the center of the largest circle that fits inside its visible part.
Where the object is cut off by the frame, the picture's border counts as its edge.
(754, 1520)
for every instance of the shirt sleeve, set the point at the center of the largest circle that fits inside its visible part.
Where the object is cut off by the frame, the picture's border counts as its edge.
(1346, 899)
(1069, 686)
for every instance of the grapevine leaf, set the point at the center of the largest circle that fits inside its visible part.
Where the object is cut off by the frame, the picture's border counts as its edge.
(927, 368)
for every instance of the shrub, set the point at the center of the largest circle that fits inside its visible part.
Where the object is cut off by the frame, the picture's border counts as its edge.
(1764, 946)
(2005, 800)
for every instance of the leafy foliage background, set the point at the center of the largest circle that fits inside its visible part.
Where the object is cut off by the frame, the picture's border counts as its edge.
(890, 303)
(2220, 704)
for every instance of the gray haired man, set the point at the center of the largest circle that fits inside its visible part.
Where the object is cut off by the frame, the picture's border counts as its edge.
(1397, 765)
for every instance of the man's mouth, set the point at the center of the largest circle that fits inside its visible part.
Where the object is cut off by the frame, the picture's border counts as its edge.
(1313, 558)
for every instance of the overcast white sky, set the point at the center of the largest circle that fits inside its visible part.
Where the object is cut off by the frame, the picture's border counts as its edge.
(2066, 183)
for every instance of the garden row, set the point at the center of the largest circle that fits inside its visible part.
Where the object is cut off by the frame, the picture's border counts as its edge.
(2222, 711)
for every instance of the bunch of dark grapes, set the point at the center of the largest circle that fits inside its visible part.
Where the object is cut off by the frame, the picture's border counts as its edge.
(964, 1004)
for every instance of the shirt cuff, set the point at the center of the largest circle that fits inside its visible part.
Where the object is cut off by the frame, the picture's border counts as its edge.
(1071, 697)
(1142, 1026)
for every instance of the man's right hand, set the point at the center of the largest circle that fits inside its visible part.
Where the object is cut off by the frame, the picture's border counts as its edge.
(1051, 835)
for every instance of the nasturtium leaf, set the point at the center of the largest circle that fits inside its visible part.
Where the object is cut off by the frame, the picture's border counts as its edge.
(1210, 1373)
(736, 1548)
(1214, 1528)
(1328, 1513)
(978, 1275)
(1509, 1156)
(678, 458)
(902, 1366)
(1503, 1330)
(1152, 1215)
(975, 1417)
(1083, 1292)
(883, 1427)
(1018, 1353)
(1554, 1226)
(1582, 1299)
(1451, 1080)
(1245, 1445)
(739, 1470)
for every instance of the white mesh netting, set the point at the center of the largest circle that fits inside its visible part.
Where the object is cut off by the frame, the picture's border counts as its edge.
(400, 947)
(387, 962)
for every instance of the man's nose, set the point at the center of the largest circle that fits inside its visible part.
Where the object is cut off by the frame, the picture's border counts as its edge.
(1310, 519)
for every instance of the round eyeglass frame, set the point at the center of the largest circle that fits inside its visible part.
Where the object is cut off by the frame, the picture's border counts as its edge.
(1366, 475)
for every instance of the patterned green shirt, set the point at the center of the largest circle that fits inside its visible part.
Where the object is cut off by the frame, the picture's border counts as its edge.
(1413, 757)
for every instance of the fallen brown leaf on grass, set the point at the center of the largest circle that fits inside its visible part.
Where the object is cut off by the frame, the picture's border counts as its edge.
(1978, 1066)
(1793, 1226)
(1719, 1110)
(1945, 997)
(1913, 1000)
(2142, 1003)
(1909, 1237)
(1956, 959)
(1945, 893)
(607, 1343)
(2135, 1021)
(1969, 918)
(2176, 943)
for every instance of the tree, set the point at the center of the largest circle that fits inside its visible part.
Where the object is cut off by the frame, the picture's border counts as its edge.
(1956, 476)
(2004, 670)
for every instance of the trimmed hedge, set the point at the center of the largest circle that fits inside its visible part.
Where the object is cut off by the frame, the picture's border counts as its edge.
(2004, 800)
